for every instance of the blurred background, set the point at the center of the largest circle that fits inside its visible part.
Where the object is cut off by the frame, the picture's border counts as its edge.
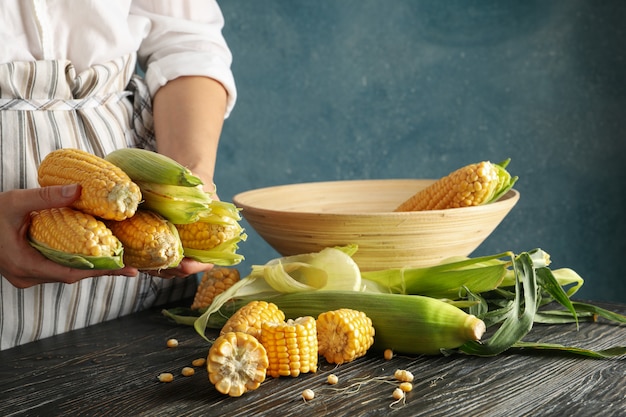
(363, 89)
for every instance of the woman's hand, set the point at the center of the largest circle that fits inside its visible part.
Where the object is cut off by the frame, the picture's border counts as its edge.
(21, 264)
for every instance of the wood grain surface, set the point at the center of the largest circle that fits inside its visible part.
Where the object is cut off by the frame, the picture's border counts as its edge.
(111, 369)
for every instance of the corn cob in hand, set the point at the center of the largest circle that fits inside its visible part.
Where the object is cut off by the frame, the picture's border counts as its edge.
(471, 185)
(106, 192)
(75, 239)
(150, 241)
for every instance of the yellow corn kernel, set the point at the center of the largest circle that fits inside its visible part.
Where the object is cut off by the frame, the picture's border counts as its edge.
(403, 375)
(203, 235)
(237, 363)
(344, 335)
(165, 377)
(291, 346)
(150, 241)
(471, 185)
(106, 191)
(249, 318)
(198, 362)
(214, 282)
(72, 231)
(187, 371)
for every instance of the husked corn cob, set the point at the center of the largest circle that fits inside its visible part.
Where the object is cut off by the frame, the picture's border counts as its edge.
(106, 191)
(291, 346)
(344, 335)
(471, 185)
(214, 282)
(237, 363)
(74, 238)
(206, 236)
(150, 241)
(249, 318)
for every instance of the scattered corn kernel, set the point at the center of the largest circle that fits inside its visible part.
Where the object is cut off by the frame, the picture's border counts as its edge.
(406, 386)
(165, 377)
(308, 394)
(172, 343)
(397, 394)
(388, 354)
(332, 379)
(403, 375)
(198, 362)
(187, 371)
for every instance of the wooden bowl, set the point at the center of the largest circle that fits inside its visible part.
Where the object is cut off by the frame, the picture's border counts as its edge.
(303, 218)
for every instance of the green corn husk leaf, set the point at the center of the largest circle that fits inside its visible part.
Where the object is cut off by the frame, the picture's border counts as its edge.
(505, 181)
(519, 319)
(145, 165)
(80, 261)
(224, 254)
(175, 210)
(450, 279)
(597, 354)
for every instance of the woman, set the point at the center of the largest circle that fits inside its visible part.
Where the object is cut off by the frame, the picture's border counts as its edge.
(67, 79)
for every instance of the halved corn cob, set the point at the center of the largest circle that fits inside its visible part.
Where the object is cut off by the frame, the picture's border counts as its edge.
(291, 346)
(344, 335)
(75, 239)
(249, 318)
(471, 185)
(107, 191)
(145, 165)
(214, 282)
(410, 324)
(150, 241)
(237, 363)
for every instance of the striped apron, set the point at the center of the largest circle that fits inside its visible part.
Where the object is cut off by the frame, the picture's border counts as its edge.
(46, 105)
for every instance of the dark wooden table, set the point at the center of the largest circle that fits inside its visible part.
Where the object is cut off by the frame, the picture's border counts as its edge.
(111, 369)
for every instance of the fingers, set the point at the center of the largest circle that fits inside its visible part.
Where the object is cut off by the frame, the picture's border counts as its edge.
(45, 197)
(186, 267)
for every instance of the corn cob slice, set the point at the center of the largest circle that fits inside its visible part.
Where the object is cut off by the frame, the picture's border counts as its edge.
(145, 165)
(249, 318)
(150, 241)
(291, 346)
(471, 185)
(409, 324)
(107, 191)
(237, 363)
(75, 239)
(344, 335)
(213, 282)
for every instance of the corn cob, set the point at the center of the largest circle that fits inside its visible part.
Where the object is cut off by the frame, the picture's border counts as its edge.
(106, 192)
(210, 242)
(148, 166)
(214, 282)
(76, 239)
(471, 185)
(249, 318)
(291, 346)
(409, 324)
(150, 241)
(237, 363)
(344, 335)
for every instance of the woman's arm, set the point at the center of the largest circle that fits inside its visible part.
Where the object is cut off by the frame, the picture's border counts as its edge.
(188, 119)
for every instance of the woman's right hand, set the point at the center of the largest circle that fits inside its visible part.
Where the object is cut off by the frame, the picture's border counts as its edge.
(21, 264)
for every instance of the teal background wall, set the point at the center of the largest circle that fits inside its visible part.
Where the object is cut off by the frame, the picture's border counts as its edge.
(359, 89)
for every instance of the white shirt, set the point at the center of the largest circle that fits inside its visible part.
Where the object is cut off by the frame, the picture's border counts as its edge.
(172, 38)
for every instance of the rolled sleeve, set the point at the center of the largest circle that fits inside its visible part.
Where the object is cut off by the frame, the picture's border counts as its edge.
(185, 39)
